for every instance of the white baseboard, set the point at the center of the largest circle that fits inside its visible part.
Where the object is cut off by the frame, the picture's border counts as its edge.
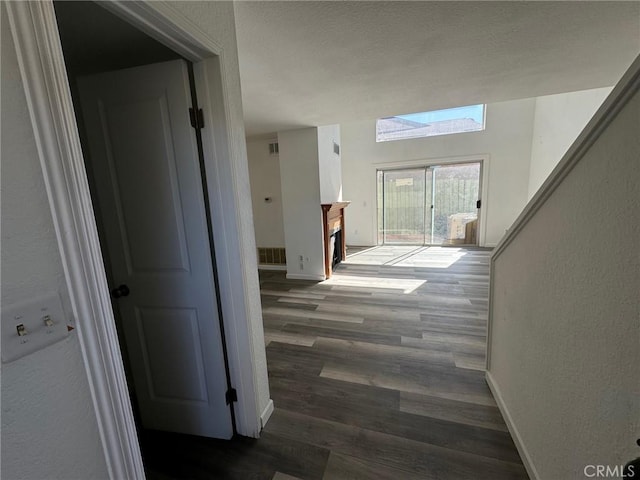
(266, 414)
(515, 434)
(273, 267)
(305, 276)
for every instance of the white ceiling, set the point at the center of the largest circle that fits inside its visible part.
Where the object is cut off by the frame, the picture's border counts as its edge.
(322, 62)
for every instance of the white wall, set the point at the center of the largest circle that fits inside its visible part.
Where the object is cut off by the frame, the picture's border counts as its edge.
(264, 172)
(329, 164)
(506, 140)
(558, 119)
(300, 182)
(296, 192)
(49, 429)
(566, 314)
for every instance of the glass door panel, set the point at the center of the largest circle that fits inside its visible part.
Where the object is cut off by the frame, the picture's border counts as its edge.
(403, 206)
(456, 190)
(428, 198)
(380, 205)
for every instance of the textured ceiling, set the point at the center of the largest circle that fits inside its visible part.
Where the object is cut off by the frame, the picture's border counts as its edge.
(321, 62)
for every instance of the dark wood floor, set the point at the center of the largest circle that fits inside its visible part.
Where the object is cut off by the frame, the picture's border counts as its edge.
(376, 374)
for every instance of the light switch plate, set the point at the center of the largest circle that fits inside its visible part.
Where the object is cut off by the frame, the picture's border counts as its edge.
(44, 322)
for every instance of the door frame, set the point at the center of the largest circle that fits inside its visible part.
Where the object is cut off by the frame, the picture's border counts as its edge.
(35, 33)
(483, 159)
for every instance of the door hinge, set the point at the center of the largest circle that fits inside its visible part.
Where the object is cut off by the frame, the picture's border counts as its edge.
(478, 203)
(231, 395)
(197, 118)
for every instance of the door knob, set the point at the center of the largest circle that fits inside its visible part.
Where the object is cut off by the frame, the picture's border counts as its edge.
(121, 291)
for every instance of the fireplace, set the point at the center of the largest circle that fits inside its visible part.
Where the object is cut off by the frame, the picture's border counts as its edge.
(336, 254)
(335, 248)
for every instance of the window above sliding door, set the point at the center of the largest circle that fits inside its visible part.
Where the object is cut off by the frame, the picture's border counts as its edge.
(470, 118)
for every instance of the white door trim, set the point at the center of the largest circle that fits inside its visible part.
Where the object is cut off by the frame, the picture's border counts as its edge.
(35, 32)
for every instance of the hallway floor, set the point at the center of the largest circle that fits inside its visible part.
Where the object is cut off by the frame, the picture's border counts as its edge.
(376, 373)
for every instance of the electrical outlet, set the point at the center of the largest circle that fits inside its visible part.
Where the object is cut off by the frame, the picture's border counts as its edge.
(31, 326)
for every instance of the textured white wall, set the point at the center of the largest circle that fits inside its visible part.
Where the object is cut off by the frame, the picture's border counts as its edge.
(566, 313)
(557, 122)
(264, 171)
(49, 428)
(301, 202)
(329, 164)
(266, 181)
(507, 140)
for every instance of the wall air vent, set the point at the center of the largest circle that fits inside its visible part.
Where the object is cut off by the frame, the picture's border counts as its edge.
(273, 148)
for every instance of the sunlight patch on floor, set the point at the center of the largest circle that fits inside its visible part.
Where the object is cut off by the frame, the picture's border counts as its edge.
(433, 257)
(381, 255)
(407, 285)
(407, 256)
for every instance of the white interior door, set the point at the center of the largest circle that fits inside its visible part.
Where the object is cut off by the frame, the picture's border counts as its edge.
(144, 158)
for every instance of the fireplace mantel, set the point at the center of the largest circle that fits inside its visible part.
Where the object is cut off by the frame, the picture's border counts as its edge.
(332, 223)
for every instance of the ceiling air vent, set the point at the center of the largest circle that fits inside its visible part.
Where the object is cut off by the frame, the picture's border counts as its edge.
(336, 148)
(273, 148)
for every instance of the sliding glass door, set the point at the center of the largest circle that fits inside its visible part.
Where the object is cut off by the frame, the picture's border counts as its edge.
(455, 204)
(431, 205)
(403, 211)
